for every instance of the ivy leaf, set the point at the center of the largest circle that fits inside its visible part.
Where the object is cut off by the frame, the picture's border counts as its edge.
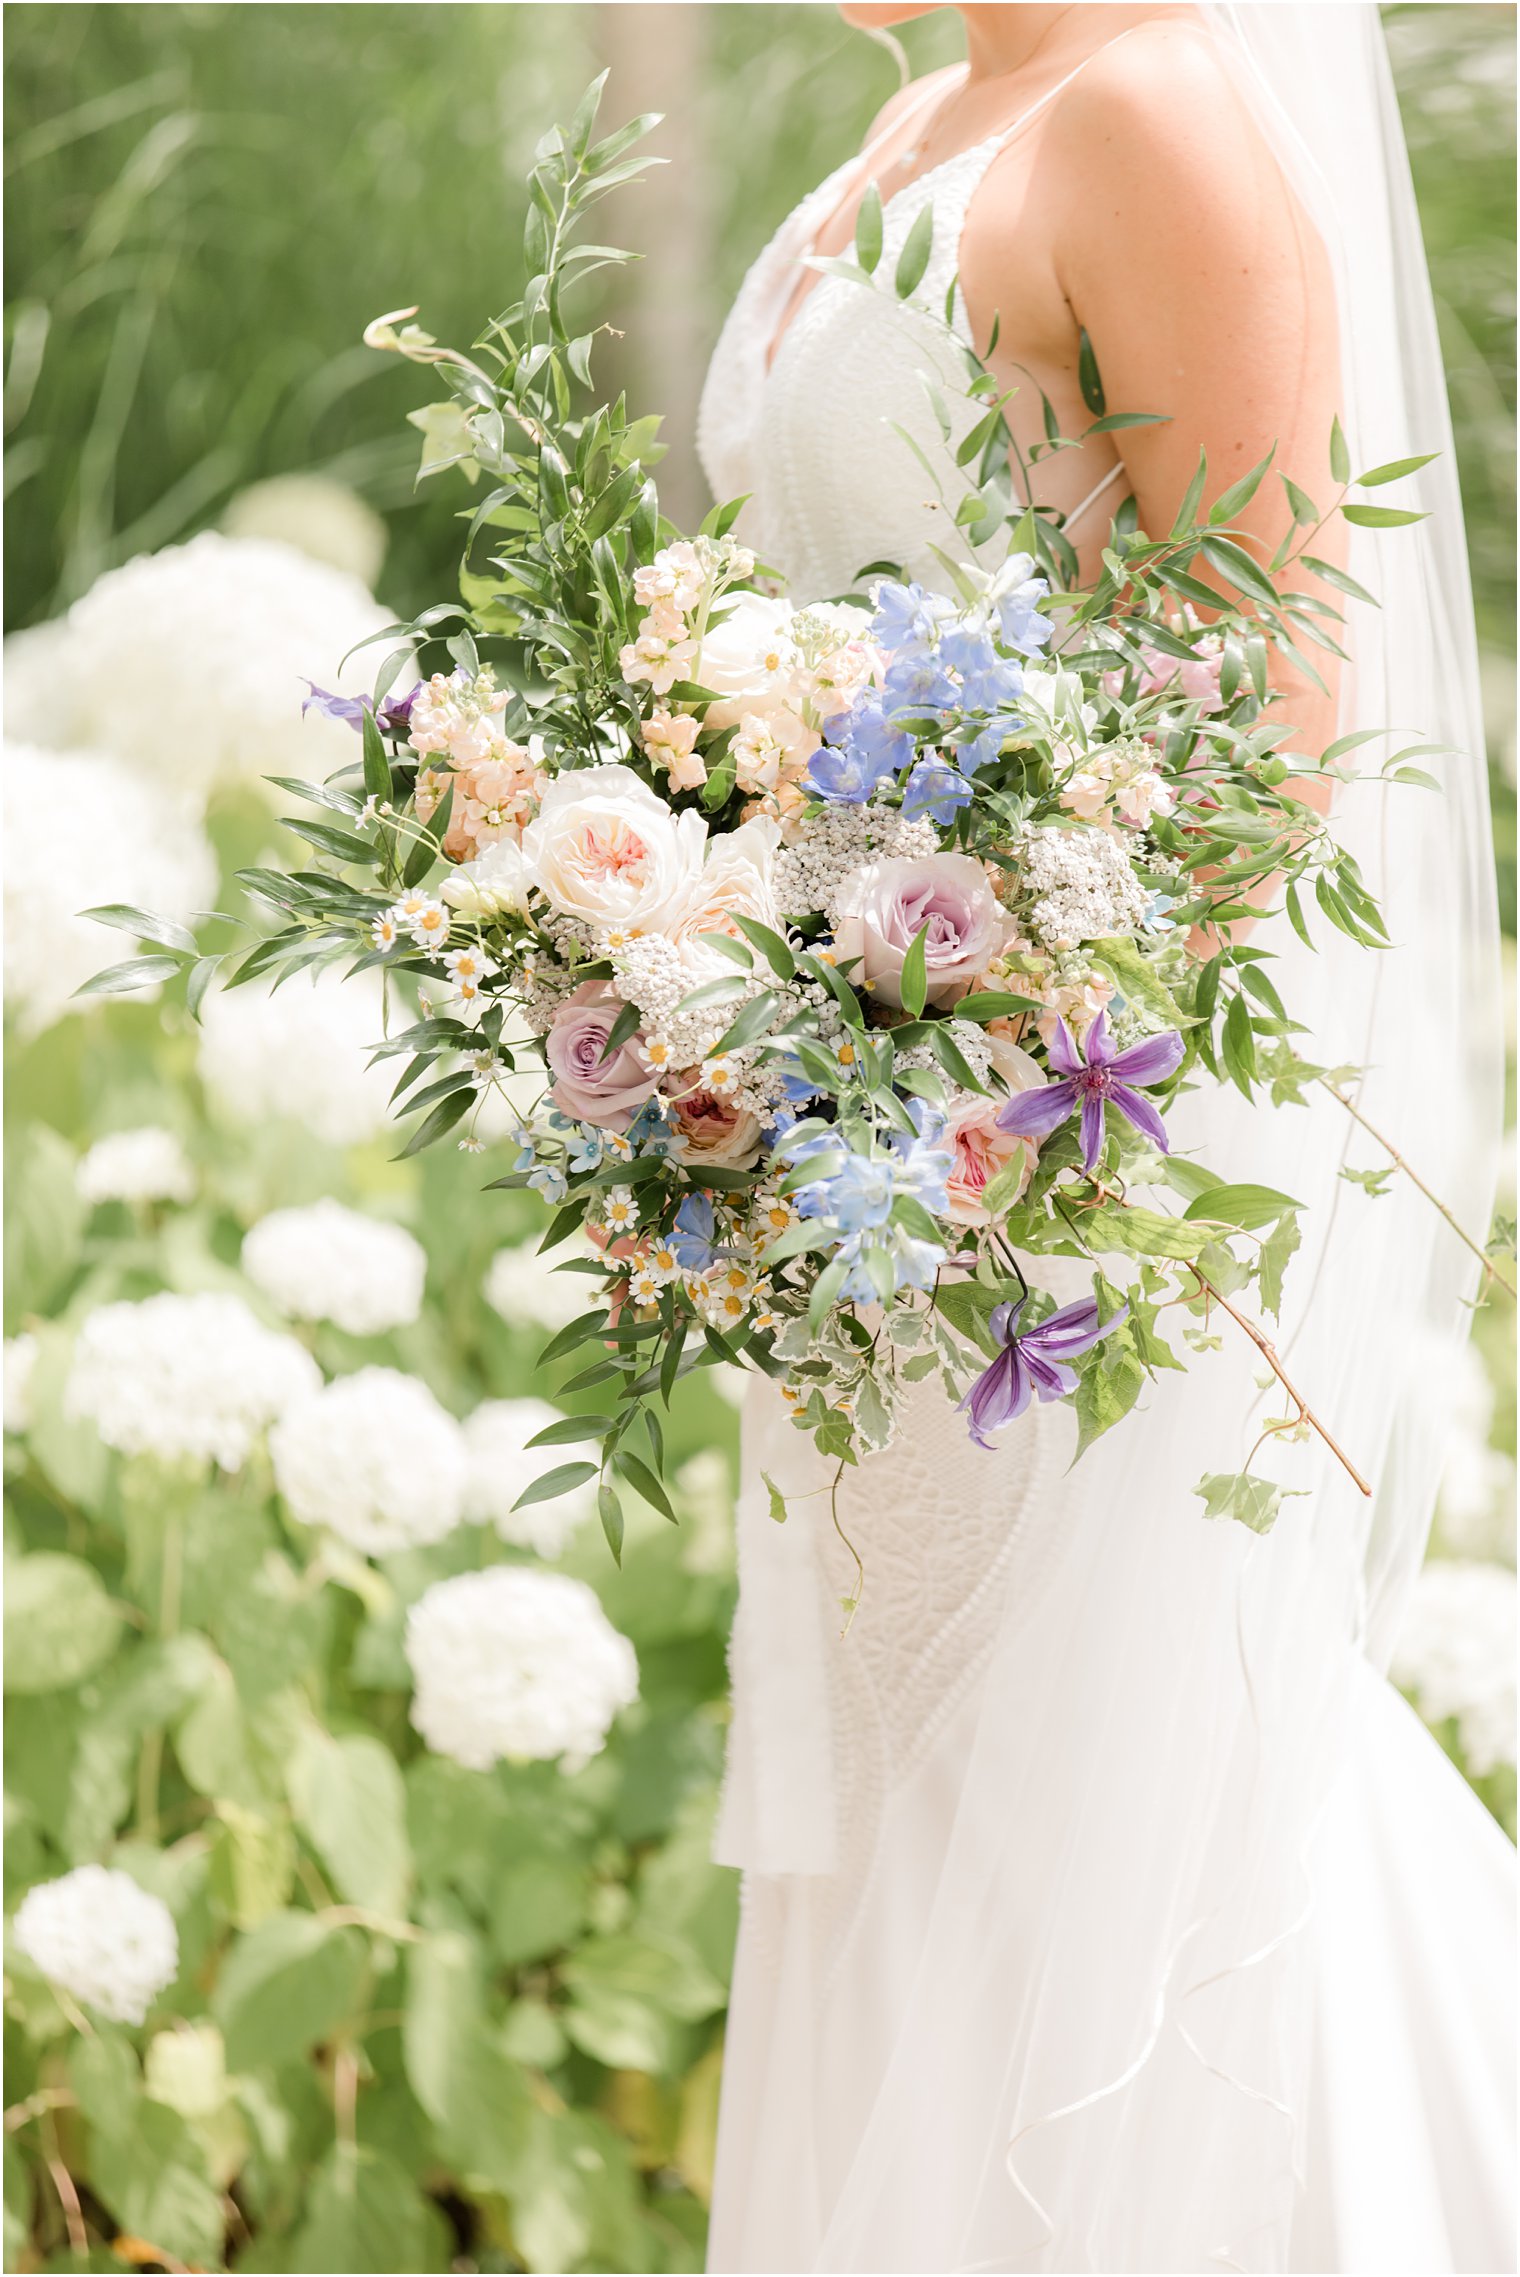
(1143, 1233)
(1272, 1262)
(1254, 1501)
(1245, 1206)
(778, 1499)
(1108, 1388)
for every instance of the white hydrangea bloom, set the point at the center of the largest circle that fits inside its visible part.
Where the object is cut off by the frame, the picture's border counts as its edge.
(330, 1263)
(502, 1465)
(319, 517)
(1456, 1654)
(301, 1051)
(39, 698)
(374, 1458)
(82, 830)
(195, 1378)
(143, 1165)
(20, 1360)
(100, 1937)
(191, 664)
(517, 1664)
(526, 1290)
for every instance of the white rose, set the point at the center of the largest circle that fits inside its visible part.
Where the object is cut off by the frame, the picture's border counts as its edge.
(735, 876)
(495, 884)
(603, 848)
(748, 660)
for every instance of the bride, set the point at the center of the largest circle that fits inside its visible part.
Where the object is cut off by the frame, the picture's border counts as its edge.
(1104, 1908)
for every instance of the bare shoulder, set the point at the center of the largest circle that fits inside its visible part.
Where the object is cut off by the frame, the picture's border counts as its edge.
(1160, 114)
(916, 90)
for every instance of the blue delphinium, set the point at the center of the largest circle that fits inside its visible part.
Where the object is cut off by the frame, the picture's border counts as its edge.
(916, 682)
(936, 789)
(861, 749)
(907, 617)
(694, 1235)
(1015, 595)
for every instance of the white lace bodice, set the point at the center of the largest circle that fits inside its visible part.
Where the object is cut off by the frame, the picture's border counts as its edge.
(813, 439)
(944, 1529)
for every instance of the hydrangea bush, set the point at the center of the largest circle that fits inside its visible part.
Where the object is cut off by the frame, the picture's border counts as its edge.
(359, 1907)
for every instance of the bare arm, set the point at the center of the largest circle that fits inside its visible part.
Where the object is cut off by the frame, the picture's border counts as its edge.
(1206, 292)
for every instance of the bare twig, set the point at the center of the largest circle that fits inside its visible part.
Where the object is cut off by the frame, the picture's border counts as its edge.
(1491, 1270)
(1268, 1352)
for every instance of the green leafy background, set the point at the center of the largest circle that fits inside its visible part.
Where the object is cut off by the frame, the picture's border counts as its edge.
(425, 2018)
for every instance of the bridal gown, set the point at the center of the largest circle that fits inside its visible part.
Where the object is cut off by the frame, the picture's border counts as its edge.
(1104, 1908)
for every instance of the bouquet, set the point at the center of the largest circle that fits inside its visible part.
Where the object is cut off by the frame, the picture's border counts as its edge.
(857, 950)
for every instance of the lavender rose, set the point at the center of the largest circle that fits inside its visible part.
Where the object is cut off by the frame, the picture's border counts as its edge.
(884, 904)
(607, 1092)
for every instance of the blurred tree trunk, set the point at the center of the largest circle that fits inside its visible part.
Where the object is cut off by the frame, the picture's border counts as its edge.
(657, 56)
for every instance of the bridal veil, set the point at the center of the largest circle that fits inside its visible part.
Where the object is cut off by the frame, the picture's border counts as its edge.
(1113, 1969)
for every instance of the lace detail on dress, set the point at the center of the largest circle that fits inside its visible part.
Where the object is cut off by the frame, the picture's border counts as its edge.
(944, 1530)
(814, 440)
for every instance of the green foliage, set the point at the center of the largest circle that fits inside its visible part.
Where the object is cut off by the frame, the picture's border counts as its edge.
(422, 2013)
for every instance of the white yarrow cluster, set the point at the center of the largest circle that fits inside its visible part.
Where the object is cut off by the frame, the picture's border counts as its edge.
(1081, 887)
(143, 1165)
(515, 1664)
(191, 664)
(185, 1378)
(300, 1052)
(527, 1290)
(330, 1263)
(820, 851)
(82, 830)
(375, 1459)
(101, 1938)
(1456, 1654)
(502, 1465)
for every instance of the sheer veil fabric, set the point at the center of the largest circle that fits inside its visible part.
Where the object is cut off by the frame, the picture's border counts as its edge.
(1103, 1908)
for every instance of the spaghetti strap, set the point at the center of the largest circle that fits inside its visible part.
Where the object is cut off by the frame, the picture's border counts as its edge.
(1096, 492)
(1001, 140)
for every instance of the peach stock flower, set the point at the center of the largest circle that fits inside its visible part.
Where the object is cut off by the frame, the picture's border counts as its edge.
(670, 739)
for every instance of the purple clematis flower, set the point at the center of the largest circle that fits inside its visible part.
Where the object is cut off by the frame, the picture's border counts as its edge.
(393, 717)
(1034, 1365)
(1104, 1078)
